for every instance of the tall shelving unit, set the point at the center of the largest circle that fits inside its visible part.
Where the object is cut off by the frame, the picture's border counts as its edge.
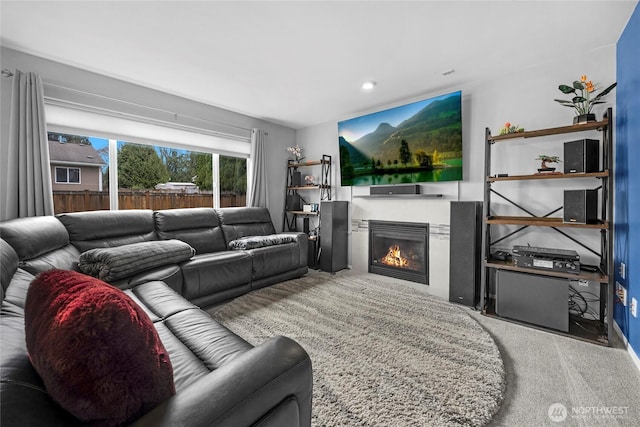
(305, 195)
(322, 188)
(603, 326)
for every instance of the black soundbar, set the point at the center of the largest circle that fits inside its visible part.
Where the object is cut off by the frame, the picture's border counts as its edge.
(394, 189)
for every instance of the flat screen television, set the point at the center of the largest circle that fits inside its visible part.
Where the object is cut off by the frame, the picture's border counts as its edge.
(412, 143)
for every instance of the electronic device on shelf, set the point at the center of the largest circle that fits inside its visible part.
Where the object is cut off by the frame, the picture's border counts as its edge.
(534, 251)
(561, 260)
(501, 255)
(559, 265)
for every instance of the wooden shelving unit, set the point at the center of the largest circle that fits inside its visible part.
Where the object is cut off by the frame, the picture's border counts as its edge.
(602, 174)
(597, 331)
(542, 222)
(323, 188)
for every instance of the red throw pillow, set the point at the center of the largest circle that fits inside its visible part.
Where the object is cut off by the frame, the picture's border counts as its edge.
(97, 351)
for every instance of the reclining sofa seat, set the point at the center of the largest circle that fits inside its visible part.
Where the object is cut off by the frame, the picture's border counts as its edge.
(214, 274)
(271, 264)
(108, 229)
(220, 379)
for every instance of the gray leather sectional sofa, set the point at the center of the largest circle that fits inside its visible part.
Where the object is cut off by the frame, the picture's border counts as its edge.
(220, 379)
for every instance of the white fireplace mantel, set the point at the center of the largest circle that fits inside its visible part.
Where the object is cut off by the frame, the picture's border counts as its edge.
(434, 211)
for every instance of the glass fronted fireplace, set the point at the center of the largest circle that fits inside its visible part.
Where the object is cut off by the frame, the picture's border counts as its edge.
(400, 250)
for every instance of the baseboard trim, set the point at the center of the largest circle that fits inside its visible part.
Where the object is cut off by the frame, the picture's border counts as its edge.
(630, 350)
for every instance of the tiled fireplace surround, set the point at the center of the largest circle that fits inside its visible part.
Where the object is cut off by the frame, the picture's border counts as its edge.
(435, 212)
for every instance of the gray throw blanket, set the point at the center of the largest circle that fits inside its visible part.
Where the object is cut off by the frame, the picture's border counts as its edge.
(110, 264)
(252, 242)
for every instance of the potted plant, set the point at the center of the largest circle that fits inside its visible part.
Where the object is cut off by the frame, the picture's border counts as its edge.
(544, 158)
(297, 154)
(584, 99)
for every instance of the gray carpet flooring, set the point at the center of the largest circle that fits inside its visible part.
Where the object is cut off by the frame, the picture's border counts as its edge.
(596, 385)
(382, 355)
(552, 380)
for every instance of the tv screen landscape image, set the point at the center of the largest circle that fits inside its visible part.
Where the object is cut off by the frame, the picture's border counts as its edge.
(413, 143)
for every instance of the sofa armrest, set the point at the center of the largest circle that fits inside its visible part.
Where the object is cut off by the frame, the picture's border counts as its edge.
(302, 240)
(244, 390)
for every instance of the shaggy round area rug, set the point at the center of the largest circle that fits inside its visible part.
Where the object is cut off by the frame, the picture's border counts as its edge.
(383, 354)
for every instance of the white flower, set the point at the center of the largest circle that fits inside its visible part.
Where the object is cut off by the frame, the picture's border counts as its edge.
(296, 151)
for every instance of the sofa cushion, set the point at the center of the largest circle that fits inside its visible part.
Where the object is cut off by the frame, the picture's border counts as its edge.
(199, 227)
(271, 261)
(34, 236)
(216, 273)
(253, 242)
(41, 242)
(97, 351)
(8, 265)
(105, 229)
(123, 261)
(242, 222)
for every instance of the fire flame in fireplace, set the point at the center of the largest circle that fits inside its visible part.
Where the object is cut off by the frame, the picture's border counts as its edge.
(394, 257)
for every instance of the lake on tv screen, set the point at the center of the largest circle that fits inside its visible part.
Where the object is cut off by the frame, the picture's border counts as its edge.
(452, 172)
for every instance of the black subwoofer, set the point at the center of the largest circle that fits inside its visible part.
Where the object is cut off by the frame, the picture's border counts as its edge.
(581, 206)
(581, 156)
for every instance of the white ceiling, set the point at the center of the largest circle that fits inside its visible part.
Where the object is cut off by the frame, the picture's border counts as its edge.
(300, 63)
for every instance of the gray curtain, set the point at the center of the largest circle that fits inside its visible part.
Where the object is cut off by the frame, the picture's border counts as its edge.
(26, 174)
(259, 196)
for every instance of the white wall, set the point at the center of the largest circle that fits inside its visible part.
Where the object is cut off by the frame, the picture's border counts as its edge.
(188, 112)
(524, 97)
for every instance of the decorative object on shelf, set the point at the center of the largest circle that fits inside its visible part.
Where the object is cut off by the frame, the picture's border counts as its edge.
(509, 128)
(296, 178)
(583, 101)
(296, 151)
(308, 180)
(544, 158)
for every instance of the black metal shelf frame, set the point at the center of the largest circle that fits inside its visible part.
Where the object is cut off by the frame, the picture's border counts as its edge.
(606, 247)
(290, 217)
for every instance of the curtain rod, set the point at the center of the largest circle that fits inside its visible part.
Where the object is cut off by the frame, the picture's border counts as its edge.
(6, 72)
(176, 115)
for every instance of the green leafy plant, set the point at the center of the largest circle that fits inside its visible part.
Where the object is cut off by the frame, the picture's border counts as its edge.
(544, 158)
(584, 98)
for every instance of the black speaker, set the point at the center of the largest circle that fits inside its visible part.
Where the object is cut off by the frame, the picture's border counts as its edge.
(334, 228)
(581, 156)
(581, 206)
(296, 179)
(294, 202)
(394, 189)
(465, 244)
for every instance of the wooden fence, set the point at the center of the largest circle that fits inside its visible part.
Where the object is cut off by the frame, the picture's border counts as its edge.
(78, 201)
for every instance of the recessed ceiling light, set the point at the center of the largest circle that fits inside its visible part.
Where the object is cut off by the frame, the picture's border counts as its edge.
(368, 85)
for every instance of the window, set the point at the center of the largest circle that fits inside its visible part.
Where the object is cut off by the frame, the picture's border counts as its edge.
(67, 175)
(206, 146)
(233, 181)
(179, 178)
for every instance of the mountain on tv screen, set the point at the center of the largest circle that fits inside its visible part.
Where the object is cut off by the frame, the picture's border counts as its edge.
(413, 143)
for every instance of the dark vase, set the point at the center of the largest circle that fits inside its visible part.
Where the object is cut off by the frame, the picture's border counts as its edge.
(584, 118)
(296, 178)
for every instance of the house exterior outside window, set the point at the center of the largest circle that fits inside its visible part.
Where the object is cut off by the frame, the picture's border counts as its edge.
(75, 167)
